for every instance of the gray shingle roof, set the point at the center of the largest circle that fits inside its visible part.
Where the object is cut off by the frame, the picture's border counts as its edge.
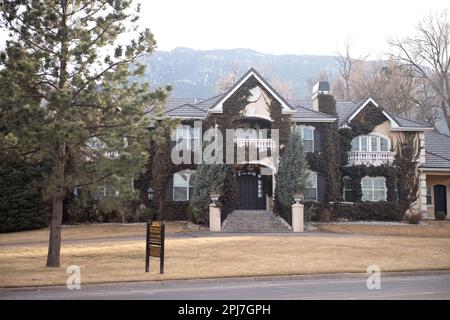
(407, 123)
(304, 111)
(437, 150)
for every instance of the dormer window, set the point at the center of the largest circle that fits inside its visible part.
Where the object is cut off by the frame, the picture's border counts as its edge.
(370, 143)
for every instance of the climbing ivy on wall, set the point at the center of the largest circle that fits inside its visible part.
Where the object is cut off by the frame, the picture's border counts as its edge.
(232, 115)
(401, 176)
(326, 162)
(362, 124)
(160, 169)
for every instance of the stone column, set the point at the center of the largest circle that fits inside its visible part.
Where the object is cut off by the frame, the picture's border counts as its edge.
(215, 223)
(297, 217)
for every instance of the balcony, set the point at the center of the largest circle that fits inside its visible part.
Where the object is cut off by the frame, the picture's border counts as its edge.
(375, 158)
(261, 144)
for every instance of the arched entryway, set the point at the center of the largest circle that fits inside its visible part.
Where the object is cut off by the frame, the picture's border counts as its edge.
(253, 189)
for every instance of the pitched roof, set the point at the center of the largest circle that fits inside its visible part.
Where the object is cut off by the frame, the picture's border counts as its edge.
(217, 106)
(437, 150)
(408, 123)
(306, 113)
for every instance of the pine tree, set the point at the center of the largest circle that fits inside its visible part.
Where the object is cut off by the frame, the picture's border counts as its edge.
(67, 62)
(207, 179)
(292, 176)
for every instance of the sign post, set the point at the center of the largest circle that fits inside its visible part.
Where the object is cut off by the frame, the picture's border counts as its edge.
(155, 244)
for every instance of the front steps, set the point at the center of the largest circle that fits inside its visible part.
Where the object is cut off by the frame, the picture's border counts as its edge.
(254, 221)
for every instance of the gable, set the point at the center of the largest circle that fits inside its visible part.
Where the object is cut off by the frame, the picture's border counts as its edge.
(254, 77)
(368, 108)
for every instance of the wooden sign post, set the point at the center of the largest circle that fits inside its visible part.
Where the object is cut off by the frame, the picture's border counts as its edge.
(155, 244)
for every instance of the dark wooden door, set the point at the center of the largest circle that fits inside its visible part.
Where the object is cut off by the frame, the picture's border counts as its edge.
(440, 198)
(248, 185)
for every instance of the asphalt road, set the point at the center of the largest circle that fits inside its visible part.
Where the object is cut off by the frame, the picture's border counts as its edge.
(435, 286)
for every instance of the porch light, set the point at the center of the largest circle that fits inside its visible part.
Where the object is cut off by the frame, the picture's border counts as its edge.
(150, 194)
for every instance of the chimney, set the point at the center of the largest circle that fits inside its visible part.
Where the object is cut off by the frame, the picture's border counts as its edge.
(320, 88)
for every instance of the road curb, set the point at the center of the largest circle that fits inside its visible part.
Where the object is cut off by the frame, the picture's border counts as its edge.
(352, 275)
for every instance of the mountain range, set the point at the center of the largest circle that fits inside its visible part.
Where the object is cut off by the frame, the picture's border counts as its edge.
(195, 73)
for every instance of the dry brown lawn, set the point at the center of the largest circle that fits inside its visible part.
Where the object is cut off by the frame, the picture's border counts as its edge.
(434, 229)
(95, 231)
(116, 261)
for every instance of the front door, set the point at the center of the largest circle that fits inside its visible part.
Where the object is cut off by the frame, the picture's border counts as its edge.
(251, 191)
(440, 198)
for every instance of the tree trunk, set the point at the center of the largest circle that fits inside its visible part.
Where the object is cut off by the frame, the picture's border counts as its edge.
(54, 245)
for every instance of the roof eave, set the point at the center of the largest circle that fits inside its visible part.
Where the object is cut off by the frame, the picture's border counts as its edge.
(427, 169)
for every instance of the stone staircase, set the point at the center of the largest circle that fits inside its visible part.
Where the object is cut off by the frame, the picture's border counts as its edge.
(254, 221)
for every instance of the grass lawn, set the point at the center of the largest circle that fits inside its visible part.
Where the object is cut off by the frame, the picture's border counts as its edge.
(95, 231)
(433, 229)
(120, 260)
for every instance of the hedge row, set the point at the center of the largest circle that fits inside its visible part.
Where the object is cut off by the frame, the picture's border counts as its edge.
(357, 211)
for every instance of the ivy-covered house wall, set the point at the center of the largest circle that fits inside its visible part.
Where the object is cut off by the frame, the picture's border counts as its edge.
(400, 195)
(329, 160)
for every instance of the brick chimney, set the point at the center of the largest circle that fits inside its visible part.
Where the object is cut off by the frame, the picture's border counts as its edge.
(323, 99)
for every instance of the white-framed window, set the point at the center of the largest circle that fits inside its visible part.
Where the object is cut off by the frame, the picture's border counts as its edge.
(311, 189)
(106, 191)
(373, 189)
(187, 136)
(370, 143)
(429, 197)
(307, 134)
(183, 185)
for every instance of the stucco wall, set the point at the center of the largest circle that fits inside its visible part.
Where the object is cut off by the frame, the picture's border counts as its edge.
(432, 180)
(385, 130)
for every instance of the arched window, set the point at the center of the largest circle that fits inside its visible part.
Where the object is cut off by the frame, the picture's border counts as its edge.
(183, 185)
(371, 143)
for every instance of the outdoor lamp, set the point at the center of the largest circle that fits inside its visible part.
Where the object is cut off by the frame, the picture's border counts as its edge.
(150, 194)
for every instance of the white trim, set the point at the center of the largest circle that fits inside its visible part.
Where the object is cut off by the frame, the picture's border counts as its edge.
(189, 182)
(315, 176)
(313, 120)
(412, 129)
(435, 169)
(394, 124)
(373, 188)
(379, 136)
(302, 127)
(219, 105)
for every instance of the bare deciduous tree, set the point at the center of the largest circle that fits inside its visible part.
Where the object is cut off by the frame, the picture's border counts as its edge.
(226, 81)
(347, 66)
(427, 54)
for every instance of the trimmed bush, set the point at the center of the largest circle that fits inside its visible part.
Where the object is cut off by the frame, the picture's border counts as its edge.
(357, 211)
(440, 215)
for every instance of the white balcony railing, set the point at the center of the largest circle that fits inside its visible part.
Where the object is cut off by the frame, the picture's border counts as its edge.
(375, 158)
(261, 144)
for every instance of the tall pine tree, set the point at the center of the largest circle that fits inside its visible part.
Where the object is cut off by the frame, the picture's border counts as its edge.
(71, 60)
(292, 176)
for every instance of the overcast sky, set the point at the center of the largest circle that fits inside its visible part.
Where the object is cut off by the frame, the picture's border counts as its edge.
(284, 26)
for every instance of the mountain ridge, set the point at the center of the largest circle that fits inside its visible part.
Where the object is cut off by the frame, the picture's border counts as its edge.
(194, 73)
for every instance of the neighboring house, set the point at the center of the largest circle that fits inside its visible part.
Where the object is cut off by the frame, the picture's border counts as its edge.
(253, 103)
